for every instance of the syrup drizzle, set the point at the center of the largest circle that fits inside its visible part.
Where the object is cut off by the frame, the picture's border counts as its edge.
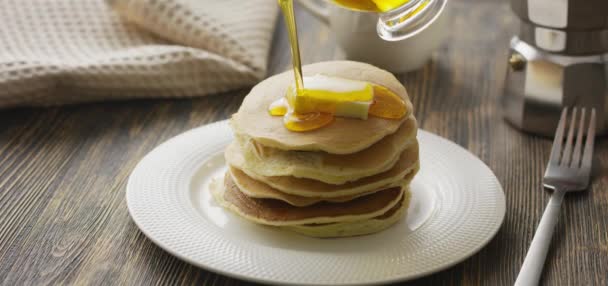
(386, 104)
(290, 21)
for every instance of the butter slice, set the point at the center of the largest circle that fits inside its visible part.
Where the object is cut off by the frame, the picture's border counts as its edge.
(338, 96)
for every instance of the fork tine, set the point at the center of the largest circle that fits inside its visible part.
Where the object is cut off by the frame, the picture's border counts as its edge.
(576, 154)
(568, 149)
(559, 137)
(588, 154)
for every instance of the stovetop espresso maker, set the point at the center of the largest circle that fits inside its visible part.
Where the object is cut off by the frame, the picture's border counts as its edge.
(558, 59)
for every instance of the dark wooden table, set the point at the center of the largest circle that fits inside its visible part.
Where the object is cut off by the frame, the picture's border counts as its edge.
(63, 217)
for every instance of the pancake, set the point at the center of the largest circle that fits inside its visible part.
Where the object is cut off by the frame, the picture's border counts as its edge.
(247, 154)
(343, 136)
(279, 213)
(260, 190)
(354, 228)
(407, 164)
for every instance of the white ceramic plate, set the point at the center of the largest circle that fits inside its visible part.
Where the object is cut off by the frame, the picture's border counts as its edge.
(457, 206)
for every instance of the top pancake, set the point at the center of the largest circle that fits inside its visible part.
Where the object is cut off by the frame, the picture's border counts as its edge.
(343, 136)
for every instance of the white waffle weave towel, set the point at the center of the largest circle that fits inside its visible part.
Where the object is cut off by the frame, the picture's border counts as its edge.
(69, 51)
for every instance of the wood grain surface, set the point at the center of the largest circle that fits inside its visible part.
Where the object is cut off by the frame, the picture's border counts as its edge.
(63, 170)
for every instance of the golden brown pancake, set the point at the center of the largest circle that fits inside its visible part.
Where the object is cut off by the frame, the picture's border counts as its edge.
(301, 187)
(329, 168)
(259, 190)
(354, 228)
(343, 136)
(279, 213)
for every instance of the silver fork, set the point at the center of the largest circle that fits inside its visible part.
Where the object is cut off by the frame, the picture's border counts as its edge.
(568, 170)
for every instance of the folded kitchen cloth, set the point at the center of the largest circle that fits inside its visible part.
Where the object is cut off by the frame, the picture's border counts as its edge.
(69, 51)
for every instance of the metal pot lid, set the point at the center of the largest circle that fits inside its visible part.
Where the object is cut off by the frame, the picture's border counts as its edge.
(563, 14)
(568, 42)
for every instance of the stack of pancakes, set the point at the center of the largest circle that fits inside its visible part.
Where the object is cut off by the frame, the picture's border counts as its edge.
(348, 178)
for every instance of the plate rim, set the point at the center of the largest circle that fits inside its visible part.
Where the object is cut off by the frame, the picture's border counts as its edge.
(389, 279)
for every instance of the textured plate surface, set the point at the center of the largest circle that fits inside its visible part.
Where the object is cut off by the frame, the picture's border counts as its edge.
(457, 206)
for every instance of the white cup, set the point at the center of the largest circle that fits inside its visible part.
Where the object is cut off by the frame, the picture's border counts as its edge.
(357, 36)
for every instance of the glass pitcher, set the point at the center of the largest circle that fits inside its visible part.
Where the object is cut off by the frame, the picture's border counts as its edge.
(398, 19)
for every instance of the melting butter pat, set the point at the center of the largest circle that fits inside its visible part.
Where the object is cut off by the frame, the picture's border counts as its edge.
(338, 96)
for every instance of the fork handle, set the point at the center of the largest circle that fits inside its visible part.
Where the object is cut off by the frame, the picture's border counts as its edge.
(537, 253)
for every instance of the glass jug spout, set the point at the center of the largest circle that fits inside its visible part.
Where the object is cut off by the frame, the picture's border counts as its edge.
(409, 19)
